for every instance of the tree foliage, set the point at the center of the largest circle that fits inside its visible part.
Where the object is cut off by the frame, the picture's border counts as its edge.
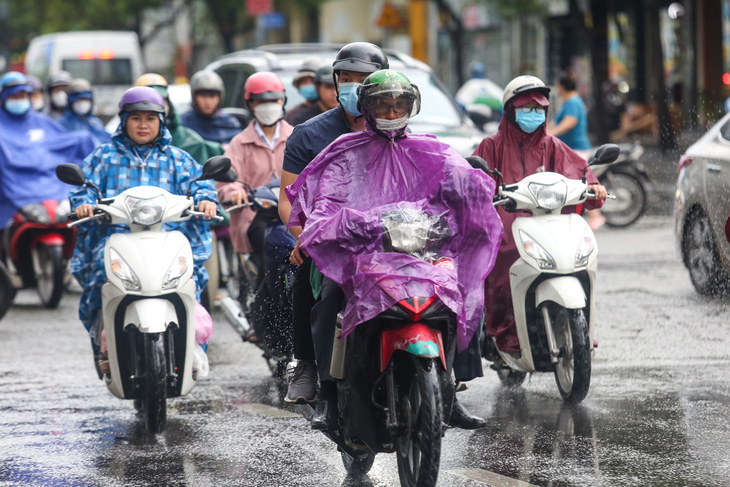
(512, 9)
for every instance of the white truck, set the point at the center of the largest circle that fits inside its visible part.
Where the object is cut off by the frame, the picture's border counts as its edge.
(109, 60)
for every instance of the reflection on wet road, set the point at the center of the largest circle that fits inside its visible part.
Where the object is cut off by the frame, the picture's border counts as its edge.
(656, 415)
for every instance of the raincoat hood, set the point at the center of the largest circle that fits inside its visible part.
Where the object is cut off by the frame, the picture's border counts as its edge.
(344, 197)
(30, 149)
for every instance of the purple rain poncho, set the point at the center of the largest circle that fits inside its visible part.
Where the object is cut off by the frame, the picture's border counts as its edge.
(340, 196)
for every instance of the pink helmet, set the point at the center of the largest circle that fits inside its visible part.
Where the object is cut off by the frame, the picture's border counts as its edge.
(264, 85)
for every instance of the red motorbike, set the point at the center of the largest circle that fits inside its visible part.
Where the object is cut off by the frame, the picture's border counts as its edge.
(36, 248)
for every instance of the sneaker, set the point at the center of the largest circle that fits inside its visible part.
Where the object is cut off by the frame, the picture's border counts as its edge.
(302, 378)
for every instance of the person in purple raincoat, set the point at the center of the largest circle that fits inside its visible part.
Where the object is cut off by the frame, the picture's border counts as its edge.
(342, 194)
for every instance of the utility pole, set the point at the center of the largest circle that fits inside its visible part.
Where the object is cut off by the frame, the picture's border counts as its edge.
(418, 28)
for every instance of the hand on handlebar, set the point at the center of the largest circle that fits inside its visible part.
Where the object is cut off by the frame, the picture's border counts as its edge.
(85, 210)
(599, 191)
(239, 198)
(209, 208)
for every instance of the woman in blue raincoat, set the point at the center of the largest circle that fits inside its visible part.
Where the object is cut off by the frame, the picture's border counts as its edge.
(140, 154)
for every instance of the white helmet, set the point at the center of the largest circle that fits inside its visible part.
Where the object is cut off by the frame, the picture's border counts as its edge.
(523, 84)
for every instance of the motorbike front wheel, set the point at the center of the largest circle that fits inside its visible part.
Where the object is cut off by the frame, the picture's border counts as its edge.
(630, 201)
(573, 370)
(51, 268)
(154, 401)
(418, 447)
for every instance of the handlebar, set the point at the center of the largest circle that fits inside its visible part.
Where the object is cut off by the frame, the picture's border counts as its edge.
(200, 213)
(235, 207)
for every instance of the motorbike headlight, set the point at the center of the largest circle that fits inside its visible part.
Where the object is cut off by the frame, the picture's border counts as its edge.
(122, 270)
(145, 211)
(175, 272)
(407, 229)
(585, 248)
(534, 250)
(549, 196)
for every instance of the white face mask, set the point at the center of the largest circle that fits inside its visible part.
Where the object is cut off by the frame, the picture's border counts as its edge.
(390, 125)
(81, 107)
(268, 114)
(59, 99)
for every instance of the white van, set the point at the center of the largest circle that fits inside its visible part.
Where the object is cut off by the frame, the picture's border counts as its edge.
(109, 60)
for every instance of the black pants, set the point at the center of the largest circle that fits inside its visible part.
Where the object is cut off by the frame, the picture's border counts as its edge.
(302, 303)
(468, 363)
(324, 321)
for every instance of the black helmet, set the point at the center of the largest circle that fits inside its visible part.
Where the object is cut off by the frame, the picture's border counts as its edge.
(362, 57)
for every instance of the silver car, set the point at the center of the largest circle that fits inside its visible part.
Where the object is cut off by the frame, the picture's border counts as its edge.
(702, 208)
(439, 115)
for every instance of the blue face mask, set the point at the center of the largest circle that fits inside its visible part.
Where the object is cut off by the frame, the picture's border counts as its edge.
(17, 107)
(348, 98)
(309, 92)
(531, 121)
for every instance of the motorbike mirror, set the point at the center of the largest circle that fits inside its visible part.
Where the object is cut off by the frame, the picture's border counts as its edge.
(478, 163)
(216, 167)
(606, 154)
(229, 177)
(70, 174)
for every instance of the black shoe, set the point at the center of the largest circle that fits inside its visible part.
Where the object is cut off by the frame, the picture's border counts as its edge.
(325, 415)
(460, 418)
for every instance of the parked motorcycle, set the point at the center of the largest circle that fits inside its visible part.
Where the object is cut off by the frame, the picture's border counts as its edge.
(393, 372)
(552, 281)
(628, 180)
(37, 246)
(259, 304)
(148, 303)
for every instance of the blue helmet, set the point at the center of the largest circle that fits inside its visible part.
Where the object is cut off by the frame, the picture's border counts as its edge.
(13, 82)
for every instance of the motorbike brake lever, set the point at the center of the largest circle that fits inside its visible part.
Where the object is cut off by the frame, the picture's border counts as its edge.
(200, 213)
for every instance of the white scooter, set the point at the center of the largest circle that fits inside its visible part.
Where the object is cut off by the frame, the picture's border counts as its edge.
(148, 302)
(552, 282)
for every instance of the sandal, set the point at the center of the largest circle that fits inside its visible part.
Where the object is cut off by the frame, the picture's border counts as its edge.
(103, 362)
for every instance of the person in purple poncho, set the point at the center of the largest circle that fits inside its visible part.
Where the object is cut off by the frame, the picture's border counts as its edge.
(341, 195)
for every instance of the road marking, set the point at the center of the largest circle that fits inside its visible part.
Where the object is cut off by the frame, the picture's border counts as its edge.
(271, 412)
(489, 478)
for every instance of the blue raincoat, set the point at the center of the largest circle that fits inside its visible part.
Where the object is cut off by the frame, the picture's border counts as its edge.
(31, 146)
(120, 165)
(221, 127)
(89, 123)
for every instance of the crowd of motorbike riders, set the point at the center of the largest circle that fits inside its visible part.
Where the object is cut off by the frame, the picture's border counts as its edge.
(43, 126)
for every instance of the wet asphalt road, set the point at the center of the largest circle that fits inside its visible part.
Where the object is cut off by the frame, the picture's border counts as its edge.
(656, 415)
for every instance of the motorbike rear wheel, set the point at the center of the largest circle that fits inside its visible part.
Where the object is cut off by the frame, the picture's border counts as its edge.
(49, 282)
(573, 370)
(418, 447)
(630, 201)
(154, 401)
(357, 467)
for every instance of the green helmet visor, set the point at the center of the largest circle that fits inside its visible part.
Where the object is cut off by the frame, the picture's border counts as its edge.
(389, 92)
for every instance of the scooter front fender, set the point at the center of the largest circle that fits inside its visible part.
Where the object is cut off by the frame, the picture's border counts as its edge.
(150, 315)
(565, 291)
(415, 338)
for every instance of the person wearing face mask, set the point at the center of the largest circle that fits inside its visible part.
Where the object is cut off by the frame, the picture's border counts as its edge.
(353, 63)
(339, 199)
(56, 86)
(31, 146)
(206, 117)
(305, 84)
(257, 155)
(77, 117)
(37, 99)
(324, 86)
(522, 147)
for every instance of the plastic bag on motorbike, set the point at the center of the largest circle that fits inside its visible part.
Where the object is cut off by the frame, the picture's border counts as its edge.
(203, 324)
